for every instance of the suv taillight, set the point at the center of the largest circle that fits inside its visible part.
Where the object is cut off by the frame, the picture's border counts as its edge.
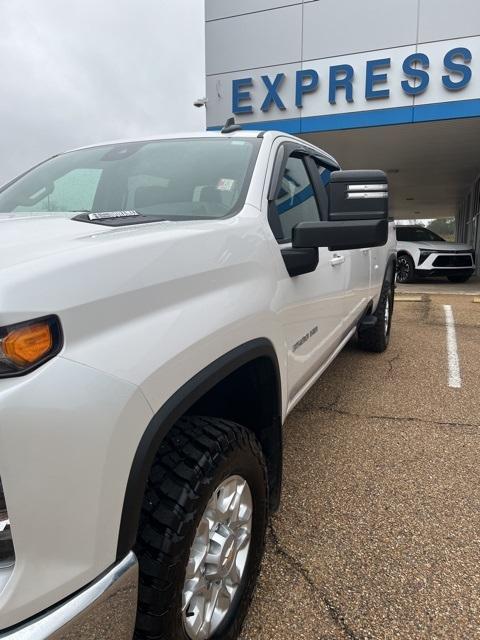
(7, 554)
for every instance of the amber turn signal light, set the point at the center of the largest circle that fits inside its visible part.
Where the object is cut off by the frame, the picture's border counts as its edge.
(29, 344)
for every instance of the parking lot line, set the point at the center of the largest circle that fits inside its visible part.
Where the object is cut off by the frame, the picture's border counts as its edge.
(454, 379)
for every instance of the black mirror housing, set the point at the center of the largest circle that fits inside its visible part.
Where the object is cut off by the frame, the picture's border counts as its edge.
(354, 234)
(357, 216)
(358, 195)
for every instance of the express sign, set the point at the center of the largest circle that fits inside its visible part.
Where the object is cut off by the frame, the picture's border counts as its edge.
(457, 75)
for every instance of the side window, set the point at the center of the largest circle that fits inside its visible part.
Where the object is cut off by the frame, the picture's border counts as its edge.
(405, 234)
(296, 200)
(324, 175)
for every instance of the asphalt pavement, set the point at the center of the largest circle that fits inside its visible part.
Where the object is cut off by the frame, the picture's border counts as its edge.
(436, 286)
(378, 534)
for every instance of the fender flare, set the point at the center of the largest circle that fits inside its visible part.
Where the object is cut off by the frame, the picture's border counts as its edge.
(404, 252)
(391, 263)
(388, 276)
(168, 415)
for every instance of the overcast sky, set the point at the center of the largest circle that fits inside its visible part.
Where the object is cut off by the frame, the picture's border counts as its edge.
(75, 72)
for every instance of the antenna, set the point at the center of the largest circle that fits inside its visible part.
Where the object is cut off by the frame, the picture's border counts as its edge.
(230, 126)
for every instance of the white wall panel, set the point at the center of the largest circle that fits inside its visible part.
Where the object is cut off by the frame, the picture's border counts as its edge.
(444, 20)
(336, 32)
(254, 40)
(219, 89)
(338, 27)
(219, 92)
(215, 9)
(318, 104)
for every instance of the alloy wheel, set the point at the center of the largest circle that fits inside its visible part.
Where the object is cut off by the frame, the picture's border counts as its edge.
(403, 269)
(217, 558)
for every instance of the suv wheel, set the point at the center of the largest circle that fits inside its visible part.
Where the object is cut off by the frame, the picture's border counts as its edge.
(405, 269)
(376, 337)
(202, 532)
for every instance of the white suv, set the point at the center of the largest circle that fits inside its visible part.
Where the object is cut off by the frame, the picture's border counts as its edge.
(422, 252)
(164, 304)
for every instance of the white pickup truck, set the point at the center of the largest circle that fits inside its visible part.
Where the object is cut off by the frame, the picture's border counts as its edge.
(164, 304)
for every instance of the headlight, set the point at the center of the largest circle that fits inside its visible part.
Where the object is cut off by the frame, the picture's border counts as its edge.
(27, 345)
(424, 255)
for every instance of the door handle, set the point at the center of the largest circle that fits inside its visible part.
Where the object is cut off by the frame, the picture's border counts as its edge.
(337, 259)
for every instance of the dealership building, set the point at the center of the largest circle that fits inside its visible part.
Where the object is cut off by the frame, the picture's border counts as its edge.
(388, 84)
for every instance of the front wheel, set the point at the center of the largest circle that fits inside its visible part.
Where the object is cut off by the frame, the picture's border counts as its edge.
(405, 269)
(202, 532)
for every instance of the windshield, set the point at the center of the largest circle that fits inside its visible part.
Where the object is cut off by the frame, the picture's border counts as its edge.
(174, 179)
(417, 234)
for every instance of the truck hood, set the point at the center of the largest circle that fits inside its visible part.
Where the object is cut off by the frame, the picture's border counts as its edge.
(51, 264)
(29, 237)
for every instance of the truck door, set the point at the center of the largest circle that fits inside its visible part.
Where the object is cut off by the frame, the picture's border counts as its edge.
(378, 260)
(358, 287)
(311, 305)
(356, 268)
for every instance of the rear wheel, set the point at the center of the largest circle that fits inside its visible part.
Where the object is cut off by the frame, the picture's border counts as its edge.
(405, 269)
(459, 279)
(202, 532)
(376, 337)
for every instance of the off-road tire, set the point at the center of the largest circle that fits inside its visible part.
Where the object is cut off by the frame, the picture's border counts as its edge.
(405, 269)
(459, 279)
(376, 338)
(193, 460)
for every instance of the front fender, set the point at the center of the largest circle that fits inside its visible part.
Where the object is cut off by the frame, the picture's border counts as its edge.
(168, 414)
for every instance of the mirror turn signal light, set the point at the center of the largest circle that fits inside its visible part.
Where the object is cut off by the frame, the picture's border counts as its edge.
(26, 345)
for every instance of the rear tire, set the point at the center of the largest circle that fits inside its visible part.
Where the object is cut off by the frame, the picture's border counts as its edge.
(193, 470)
(459, 279)
(376, 338)
(405, 269)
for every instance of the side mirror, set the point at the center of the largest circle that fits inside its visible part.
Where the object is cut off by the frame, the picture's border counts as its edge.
(358, 195)
(357, 216)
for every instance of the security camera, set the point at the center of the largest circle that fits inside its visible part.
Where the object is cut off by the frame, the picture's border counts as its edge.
(200, 102)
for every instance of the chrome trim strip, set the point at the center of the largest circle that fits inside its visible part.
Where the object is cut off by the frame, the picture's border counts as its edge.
(367, 187)
(367, 194)
(106, 609)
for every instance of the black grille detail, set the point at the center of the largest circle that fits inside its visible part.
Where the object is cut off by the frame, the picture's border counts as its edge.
(453, 261)
(3, 506)
(7, 553)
